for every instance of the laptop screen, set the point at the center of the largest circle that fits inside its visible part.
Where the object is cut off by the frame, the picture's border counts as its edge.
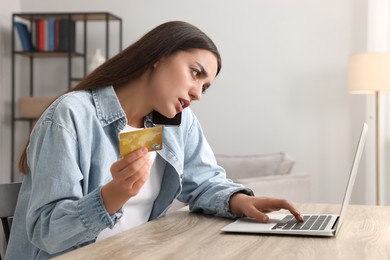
(352, 176)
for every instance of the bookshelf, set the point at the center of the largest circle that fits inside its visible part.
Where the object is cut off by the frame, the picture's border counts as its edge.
(54, 38)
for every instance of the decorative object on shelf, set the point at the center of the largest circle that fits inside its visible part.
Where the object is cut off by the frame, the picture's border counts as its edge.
(96, 60)
(369, 73)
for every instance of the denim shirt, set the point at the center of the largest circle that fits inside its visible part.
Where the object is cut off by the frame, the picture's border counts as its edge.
(71, 150)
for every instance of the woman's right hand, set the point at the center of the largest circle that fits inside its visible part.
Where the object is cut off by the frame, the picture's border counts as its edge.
(129, 174)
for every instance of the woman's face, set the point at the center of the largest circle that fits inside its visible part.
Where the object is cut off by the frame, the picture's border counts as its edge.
(179, 79)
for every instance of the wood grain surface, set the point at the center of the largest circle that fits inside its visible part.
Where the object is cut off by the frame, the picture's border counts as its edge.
(365, 234)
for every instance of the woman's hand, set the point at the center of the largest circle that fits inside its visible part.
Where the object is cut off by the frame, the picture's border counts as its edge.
(129, 174)
(256, 207)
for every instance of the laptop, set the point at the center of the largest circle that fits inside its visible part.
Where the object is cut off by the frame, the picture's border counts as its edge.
(326, 225)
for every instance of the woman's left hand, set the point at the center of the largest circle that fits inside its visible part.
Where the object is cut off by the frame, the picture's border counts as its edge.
(257, 207)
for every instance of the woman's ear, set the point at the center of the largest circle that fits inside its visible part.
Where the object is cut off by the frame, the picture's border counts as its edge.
(157, 63)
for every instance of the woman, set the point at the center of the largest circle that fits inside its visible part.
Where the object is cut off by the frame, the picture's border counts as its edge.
(77, 189)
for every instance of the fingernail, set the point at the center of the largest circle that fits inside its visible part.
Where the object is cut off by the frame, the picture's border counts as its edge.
(144, 150)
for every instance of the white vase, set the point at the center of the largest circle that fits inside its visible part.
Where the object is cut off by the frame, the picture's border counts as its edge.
(96, 60)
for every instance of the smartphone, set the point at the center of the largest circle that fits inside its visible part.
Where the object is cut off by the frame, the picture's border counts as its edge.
(159, 119)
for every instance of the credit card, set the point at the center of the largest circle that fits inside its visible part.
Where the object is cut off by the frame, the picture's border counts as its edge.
(151, 138)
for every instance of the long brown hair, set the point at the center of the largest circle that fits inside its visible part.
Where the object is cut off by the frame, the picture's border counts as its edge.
(163, 41)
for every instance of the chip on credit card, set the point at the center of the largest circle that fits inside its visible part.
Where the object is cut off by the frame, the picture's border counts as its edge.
(151, 138)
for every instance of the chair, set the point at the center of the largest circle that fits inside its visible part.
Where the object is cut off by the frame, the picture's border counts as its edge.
(9, 193)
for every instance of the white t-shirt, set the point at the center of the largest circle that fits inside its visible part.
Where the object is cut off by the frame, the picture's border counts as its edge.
(136, 210)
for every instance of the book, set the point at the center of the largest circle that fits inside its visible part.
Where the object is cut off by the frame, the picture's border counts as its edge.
(67, 35)
(57, 35)
(46, 40)
(24, 36)
(40, 35)
(51, 34)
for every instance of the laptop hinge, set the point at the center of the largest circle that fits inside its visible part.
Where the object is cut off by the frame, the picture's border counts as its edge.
(336, 223)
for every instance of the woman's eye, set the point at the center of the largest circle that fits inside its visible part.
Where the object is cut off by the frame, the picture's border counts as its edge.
(196, 73)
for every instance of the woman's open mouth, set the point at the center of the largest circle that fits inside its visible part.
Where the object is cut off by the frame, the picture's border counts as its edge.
(182, 104)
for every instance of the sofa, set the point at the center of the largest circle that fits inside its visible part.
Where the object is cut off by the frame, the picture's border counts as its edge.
(269, 175)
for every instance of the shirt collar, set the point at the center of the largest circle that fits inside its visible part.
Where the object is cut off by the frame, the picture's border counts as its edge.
(108, 108)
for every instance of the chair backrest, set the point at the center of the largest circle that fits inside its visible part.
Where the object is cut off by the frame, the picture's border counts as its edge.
(9, 193)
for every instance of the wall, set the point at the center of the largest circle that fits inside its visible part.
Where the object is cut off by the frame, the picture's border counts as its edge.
(283, 82)
(7, 8)
(378, 40)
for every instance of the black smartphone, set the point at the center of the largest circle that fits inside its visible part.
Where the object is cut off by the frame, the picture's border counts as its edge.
(159, 119)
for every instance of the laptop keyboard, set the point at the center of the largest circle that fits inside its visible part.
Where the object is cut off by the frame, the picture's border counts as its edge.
(310, 222)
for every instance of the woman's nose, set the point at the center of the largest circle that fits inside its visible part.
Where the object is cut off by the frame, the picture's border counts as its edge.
(196, 92)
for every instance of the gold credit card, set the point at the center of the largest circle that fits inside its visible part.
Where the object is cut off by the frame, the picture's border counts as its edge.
(151, 138)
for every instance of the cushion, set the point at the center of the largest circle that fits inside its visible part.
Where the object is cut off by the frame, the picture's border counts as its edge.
(294, 187)
(251, 166)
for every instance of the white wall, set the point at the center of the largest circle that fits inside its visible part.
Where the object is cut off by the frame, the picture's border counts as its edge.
(6, 10)
(283, 82)
(385, 137)
(378, 40)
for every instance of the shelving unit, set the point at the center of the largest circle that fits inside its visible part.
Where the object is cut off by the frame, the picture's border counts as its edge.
(30, 18)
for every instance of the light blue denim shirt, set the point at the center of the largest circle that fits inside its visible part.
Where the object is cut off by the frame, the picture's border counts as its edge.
(71, 150)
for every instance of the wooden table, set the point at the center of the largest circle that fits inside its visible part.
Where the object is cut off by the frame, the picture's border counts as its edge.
(365, 234)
